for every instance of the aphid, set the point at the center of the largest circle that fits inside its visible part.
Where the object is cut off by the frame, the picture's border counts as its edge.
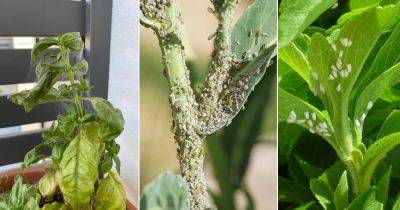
(341, 53)
(292, 117)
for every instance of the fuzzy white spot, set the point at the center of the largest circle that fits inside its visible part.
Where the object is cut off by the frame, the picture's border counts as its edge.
(349, 67)
(346, 42)
(357, 123)
(314, 75)
(326, 134)
(322, 88)
(334, 74)
(338, 88)
(313, 116)
(333, 67)
(292, 117)
(334, 47)
(370, 104)
(306, 115)
(363, 116)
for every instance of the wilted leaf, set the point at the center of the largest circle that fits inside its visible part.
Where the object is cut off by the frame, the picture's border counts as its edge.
(112, 121)
(79, 167)
(111, 193)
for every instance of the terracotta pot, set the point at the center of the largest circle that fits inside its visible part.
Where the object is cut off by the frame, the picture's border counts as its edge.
(31, 175)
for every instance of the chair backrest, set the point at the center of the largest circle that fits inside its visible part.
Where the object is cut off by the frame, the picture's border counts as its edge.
(43, 18)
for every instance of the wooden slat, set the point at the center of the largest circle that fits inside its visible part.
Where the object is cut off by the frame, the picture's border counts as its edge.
(14, 115)
(15, 67)
(14, 148)
(41, 17)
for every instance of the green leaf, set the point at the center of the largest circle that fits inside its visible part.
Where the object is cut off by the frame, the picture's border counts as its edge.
(289, 191)
(297, 16)
(111, 193)
(240, 87)
(42, 92)
(396, 204)
(372, 22)
(383, 186)
(55, 206)
(40, 46)
(33, 156)
(48, 185)
(79, 166)
(387, 57)
(376, 152)
(322, 192)
(293, 56)
(311, 171)
(21, 197)
(356, 4)
(72, 41)
(341, 194)
(255, 29)
(295, 110)
(308, 206)
(366, 201)
(81, 67)
(168, 191)
(372, 92)
(390, 125)
(112, 121)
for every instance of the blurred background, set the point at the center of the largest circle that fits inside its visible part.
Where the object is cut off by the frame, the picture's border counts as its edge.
(241, 160)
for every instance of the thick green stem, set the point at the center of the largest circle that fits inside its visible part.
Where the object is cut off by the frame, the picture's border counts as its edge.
(182, 101)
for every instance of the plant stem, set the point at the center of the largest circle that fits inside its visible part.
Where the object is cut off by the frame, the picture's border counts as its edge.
(218, 74)
(184, 110)
(77, 100)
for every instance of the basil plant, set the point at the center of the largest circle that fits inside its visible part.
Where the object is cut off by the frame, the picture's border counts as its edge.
(335, 83)
(81, 141)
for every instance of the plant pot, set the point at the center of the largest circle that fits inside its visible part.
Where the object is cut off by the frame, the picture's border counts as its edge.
(31, 175)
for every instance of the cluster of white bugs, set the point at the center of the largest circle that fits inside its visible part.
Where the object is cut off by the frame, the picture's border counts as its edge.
(310, 121)
(339, 69)
(359, 121)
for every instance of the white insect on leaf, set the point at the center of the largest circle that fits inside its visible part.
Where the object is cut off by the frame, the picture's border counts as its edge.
(292, 117)
(370, 104)
(346, 42)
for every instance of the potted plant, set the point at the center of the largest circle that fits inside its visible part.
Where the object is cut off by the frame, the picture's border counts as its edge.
(81, 141)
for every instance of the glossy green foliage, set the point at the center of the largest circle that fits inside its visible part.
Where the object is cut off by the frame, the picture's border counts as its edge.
(82, 141)
(350, 76)
(168, 191)
(295, 16)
